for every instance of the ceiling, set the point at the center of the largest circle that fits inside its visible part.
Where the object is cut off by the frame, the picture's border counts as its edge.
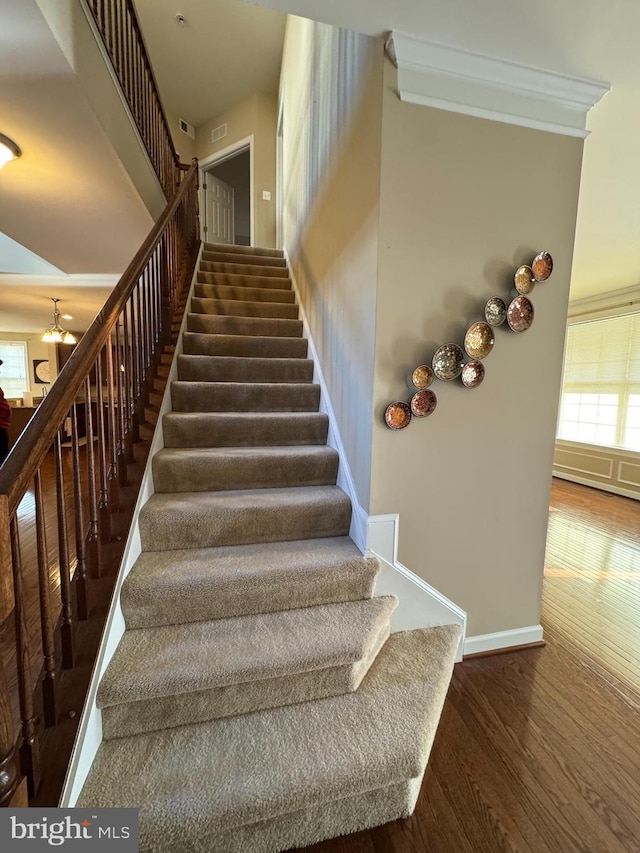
(229, 49)
(233, 48)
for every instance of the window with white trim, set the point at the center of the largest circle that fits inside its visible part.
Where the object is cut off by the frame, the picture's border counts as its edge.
(600, 401)
(14, 376)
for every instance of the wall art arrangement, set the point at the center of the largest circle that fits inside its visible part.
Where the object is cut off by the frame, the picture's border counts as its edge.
(449, 361)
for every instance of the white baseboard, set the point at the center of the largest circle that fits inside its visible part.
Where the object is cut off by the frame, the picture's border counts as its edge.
(503, 640)
(596, 484)
(89, 736)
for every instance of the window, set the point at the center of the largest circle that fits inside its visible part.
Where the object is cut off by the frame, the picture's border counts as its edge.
(14, 379)
(601, 389)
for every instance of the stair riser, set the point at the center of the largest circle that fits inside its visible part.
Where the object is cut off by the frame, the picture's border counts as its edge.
(250, 294)
(243, 258)
(225, 431)
(240, 308)
(243, 269)
(146, 606)
(222, 369)
(188, 708)
(244, 397)
(250, 281)
(244, 346)
(194, 475)
(211, 324)
(243, 250)
(198, 527)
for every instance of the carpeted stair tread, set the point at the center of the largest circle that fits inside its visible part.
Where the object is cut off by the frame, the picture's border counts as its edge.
(213, 324)
(245, 396)
(243, 269)
(232, 257)
(244, 346)
(208, 519)
(198, 469)
(173, 659)
(234, 429)
(204, 368)
(194, 584)
(243, 250)
(207, 779)
(253, 294)
(244, 308)
(251, 281)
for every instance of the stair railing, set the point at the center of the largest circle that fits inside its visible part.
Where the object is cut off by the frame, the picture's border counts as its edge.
(101, 391)
(116, 22)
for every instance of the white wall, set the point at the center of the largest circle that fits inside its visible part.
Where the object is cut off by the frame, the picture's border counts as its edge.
(331, 99)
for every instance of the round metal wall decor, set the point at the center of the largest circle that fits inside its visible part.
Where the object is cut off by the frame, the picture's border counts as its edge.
(423, 403)
(448, 361)
(495, 311)
(520, 314)
(422, 376)
(479, 340)
(524, 279)
(542, 266)
(397, 415)
(472, 374)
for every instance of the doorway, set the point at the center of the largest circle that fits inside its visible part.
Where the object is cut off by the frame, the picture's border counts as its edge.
(227, 195)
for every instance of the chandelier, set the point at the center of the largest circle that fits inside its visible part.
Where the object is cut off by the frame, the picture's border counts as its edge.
(55, 334)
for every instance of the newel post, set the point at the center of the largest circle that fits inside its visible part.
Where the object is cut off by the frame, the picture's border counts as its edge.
(10, 776)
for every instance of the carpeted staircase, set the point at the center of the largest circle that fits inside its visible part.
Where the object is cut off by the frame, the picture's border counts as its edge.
(256, 702)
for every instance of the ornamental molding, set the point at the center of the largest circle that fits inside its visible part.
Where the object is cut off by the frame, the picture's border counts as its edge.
(457, 80)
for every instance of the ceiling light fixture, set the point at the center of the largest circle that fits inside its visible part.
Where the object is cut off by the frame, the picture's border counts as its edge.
(54, 334)
(8, 150)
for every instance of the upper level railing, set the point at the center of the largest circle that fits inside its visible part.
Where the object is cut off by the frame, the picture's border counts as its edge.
(117, 25)
(62, 480)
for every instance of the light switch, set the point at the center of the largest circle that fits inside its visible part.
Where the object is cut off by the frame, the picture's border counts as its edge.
(266, 196)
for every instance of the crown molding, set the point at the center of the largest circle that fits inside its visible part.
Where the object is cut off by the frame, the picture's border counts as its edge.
(612, 303)
(476, 84)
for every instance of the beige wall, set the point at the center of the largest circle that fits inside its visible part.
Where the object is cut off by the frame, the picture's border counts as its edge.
(331, 144)
(184, 144)
(463, 202)
(257, 116)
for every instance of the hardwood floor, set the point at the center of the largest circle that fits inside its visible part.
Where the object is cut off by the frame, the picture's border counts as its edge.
(538, 751)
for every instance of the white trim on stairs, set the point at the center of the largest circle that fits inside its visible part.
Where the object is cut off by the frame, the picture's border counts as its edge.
(420, 605)
(89, 736)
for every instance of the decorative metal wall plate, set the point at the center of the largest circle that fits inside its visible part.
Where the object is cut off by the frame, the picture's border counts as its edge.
(423, 403)
(524, 279)
(397, 415)
(422, 376)
(472, 374)
(479, 340)
(495, 311)
(448, 361)
(520, 314)
(542, 266)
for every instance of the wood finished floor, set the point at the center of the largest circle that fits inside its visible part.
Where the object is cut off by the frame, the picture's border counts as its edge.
(538, 751)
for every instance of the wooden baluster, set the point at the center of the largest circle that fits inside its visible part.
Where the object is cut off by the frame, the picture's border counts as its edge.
(127, 381)
(138, 410)
(92, 544)
(66, 625)
(10, 776)
(104, 508)
(100, 16)
(30, 745)
(120, 422)
(140, 342)
(47, 621)
(81, 561)
(112, 424)
(146, 325)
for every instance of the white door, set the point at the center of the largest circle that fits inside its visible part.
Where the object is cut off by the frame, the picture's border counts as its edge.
(219, 226)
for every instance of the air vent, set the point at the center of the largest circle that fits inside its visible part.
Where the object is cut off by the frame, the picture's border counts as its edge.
(187, 128)
(218, 132)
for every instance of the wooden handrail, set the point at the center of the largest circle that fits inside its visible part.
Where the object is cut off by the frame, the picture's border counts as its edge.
(26, 456)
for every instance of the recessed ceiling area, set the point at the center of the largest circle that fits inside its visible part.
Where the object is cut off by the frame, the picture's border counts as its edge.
(222, 53)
